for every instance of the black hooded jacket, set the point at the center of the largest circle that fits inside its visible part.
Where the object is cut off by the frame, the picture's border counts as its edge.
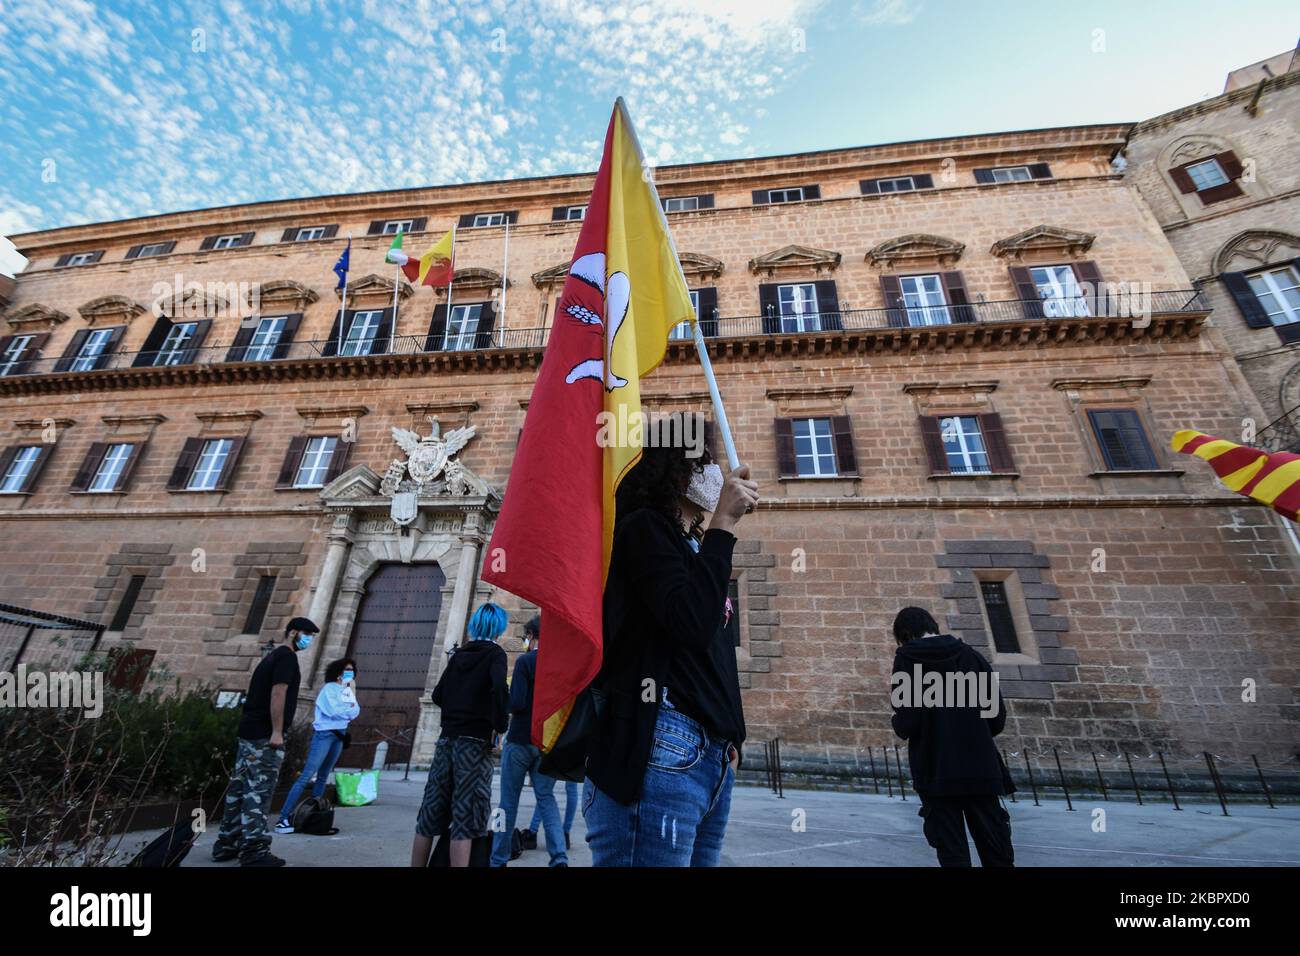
(472, 691)
(950, 749)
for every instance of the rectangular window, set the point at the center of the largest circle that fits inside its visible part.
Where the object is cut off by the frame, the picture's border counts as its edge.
(1207, 174)
(1278, 292)
(682, 330)
(924, 300)
(9, 361)
(489, 219)
(173, 347)
(1012, 174)
(814, 449)
(901, 184)
(211, 461)
(261, 347)
(793, 194)
(1122, 439)
(261, 600)
(963, 443)
(315, 463)
(575, 213)
(15, 477)
(1001, 621)
(227, 242)
(362, 332)
(310, 233)
(798, 305)
(682, 204)
(1059, 289)
(81, 259)
(462, 327)
(393, 225)
(91, 349)
(109, 472)
(127, 605)
(154, 249)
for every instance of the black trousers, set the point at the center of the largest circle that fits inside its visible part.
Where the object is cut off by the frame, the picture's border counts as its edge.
(948, 818)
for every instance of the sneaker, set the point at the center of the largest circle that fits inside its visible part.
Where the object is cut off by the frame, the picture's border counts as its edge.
(266, 859)
(529, 839)
(224, 856)
(284, 826)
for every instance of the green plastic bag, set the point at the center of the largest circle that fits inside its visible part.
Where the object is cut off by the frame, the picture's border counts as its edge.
(356, 789)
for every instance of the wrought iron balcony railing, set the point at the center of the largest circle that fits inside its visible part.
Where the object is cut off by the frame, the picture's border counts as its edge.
(1135, 308)
(1282, 434)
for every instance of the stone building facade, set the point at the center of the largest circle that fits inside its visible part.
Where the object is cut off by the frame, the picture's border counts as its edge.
(939, 401)
(1223, 179)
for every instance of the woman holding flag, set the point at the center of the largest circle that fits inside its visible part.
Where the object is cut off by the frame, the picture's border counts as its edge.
(661, 769)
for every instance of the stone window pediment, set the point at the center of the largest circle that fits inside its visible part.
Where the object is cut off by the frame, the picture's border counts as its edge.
(1255, 248)
(695, 265)
(371, 286)
(199, 303)
(915, 247)
(475, 279)
(1053, 239)
(285, 295)
(795, 257)
(35, 316)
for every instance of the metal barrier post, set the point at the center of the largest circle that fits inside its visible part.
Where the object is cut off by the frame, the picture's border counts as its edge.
(874, 779)
(1168, 780)
(1032, 785)
(1264, 783)
(1100, 780)
(1133, 777)
(1218, 784)
(1069, 804)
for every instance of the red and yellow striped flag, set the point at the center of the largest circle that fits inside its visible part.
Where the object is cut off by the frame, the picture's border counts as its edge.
(1273, 479)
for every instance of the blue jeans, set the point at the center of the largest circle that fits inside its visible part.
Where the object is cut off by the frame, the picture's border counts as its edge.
(322, 755)
(516, 761)
(570, 809)
(681, 817)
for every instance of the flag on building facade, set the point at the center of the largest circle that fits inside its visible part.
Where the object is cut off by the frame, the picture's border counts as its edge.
(623, 295)
(1272, 479)
(434, 268)
(341, 267)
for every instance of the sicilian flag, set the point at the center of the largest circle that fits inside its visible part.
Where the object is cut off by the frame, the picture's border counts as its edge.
(623, 295)
(1272, 479)
(434, 268)
(341, 267)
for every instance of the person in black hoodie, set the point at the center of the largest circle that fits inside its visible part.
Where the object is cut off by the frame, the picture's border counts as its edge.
(474, 698)
(662, 760)
(956, 769)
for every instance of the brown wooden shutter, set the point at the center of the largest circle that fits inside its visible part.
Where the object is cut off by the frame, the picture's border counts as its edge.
(7, 459)
(376, 227)
(512, 216)
(63, 260)
(153, 342)
(1182, 179)
(89, 465)
(487, 319)
(708, 311)
(191, 352)
(984, 175)
(869, 187)
(786, 466)
(560, 214)
(339, 460)
(895, 315)
(828, 305)
(128, 466)
(706, 201)
(1088, 276)
(168, 248)
(437, 329)
(1031, 303)
(95, 257)
(290, 234)
(46, 451)
(287, 332)
(330, 232)
(1040, 171)
(954, 287)
(923, 181)
(812, 192)
(239, 347)
(31, 353)
(133, 252)
(232, 462)
(114, 341)
(189, 457)
(207, 243)
(466, 221)
(769, 307)
(846, 461)
(932, 438)
(995, 442)
(761, 197)
(341, 321)
(73, 347)
(1230, 163)
(245, 239)
(292, 462)
(383, 342)
(419, 223)
(1251, 310)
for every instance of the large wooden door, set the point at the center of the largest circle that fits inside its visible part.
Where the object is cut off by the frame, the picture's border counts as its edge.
(392, 643)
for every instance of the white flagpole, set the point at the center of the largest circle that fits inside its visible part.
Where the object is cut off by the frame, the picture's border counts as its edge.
(450, 281)
(701, 348)
(343, 304)
(505, 265)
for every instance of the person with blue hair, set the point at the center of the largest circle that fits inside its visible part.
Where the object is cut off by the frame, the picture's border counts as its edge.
(474, 698)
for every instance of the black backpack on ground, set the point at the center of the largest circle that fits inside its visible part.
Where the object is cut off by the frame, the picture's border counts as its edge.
(169, 849)
(315, 816)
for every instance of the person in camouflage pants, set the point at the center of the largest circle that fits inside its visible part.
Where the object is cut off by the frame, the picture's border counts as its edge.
(248, 801)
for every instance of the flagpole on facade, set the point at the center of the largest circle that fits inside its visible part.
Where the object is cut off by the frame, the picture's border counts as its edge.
(505, 265)
(397, 284)
(343, 303)
(451, 278)
(701, 348)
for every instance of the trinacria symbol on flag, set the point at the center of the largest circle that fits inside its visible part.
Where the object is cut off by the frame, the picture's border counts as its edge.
(591, 270)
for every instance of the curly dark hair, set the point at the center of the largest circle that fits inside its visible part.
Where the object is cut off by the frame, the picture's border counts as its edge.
(658, 480)
(334, 669)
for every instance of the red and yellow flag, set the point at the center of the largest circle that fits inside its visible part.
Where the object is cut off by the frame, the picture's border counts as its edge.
(434, 268)
(1273, 479)
(623, 295)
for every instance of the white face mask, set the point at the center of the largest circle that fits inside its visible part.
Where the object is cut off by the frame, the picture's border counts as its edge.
(705, 487)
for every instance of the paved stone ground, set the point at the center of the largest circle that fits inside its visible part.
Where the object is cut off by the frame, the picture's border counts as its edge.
(849, 829)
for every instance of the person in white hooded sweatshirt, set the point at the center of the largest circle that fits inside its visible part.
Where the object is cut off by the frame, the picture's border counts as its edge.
(336, 707)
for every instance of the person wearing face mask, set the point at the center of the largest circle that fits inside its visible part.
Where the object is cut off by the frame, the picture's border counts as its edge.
(268, 712)
(336, 707)
(662, 762)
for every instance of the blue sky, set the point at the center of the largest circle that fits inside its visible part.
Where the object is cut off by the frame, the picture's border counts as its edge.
(115, 109)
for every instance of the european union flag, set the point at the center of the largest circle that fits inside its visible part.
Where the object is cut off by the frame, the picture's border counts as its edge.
(341, 267)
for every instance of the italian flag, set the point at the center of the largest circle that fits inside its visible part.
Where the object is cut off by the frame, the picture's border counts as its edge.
(434, 268)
